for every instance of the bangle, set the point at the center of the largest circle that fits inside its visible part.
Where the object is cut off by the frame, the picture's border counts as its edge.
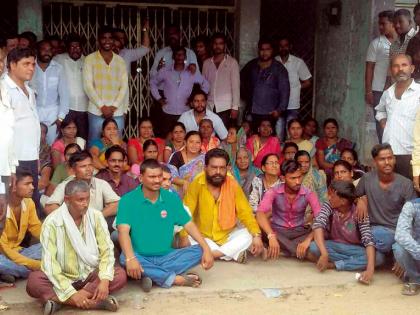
(271, 235)
(131, 258)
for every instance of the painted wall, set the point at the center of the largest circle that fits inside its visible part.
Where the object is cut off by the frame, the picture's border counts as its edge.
(30, 16)
(340, 66)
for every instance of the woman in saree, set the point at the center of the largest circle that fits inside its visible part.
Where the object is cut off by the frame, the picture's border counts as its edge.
(231, 144)
(243, 169)
(295, 132)
(263, 143)
(176, 142)
(208, 139)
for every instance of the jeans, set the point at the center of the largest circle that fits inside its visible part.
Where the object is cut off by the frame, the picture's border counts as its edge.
(409, 264)
(163, 269)
(32, 166)
(8, 267)
(346, 256)
(383, 237)
(95, 126)
(281, 124)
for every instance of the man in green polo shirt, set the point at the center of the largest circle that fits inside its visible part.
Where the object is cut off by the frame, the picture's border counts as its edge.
(145, 220)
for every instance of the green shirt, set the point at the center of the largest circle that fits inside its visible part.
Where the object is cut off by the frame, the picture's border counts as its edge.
(152, 224)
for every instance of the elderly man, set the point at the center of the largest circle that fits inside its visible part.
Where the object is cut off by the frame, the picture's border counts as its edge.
(77, 267)
(102, 197)
(146, 220)
(217, 202)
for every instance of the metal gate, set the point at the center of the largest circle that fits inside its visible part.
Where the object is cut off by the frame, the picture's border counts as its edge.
(84, 18)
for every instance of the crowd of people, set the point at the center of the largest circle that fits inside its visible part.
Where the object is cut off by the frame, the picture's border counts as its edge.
(208, 182)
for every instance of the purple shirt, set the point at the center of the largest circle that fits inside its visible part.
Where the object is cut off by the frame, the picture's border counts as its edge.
(284, 214)
(177, 88)
(125, 185)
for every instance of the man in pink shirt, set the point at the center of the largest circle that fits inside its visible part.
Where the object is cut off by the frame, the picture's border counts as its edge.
(286, 231)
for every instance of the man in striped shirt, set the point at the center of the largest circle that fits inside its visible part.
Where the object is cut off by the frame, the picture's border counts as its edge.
(77, 267)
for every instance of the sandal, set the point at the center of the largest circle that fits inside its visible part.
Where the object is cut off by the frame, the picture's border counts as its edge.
(51, 307)
(242, 258)
(109, 304)
(191, 279)
(146, 284)
(411, 289)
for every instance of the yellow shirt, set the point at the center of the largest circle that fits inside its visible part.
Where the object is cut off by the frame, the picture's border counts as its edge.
(204, 210)
(416, 146)
(13, 234)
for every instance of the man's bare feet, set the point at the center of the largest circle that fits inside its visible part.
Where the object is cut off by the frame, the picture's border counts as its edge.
(188, 280)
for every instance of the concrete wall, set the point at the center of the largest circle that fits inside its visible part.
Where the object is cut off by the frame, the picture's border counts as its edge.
(30, 16)
(340, 65)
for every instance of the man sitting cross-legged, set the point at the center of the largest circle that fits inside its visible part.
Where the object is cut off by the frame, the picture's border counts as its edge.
(343, 242)
(146, 219)
(217, 202)
(77, 257)
(21, 217)
(286, 231)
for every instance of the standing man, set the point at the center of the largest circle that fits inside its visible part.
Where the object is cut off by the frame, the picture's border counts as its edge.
(191, 119)
(72, 62)
(413, 48)
(397, 110)
(222, 72)
(265, 86)
(415, 162)
(106, 84)
(177, 83)
(377, 62)
(299, 79)
(51, 90)
(27, 130)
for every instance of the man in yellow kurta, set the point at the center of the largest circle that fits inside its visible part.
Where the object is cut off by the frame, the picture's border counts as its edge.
(21, 217)
(217, 202)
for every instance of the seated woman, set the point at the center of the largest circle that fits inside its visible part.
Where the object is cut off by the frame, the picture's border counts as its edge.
(263, 143)
(208, 139)
(310, 130)
(135, 145)
(110, 136)
(243, 170)
(328, 148)
(343, 242)
(289, 151)
(45, 167)
(295, 131)
(189, 161)
(342, 170)
(63, 170)
(231, 144)
(176, 142)
(269, 178)
(313, 179)
(350, 155)
(67, 135)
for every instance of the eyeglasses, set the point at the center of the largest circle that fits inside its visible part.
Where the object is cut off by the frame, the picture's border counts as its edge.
(272, 163)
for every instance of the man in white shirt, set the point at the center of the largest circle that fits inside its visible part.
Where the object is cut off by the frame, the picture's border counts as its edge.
(50, 85)
(222, 72)
(27, 129)
(72, 62)
(377, 62)
(299, 78)
(397, 110)
(191, 119)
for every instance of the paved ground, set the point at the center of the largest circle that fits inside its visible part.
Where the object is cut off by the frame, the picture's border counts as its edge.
(230, 288)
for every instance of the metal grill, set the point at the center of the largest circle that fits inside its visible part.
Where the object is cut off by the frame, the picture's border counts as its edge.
(84, 18)
(8, 19)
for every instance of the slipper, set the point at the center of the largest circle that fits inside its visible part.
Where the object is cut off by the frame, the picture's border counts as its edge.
(191, 279)
(411, 289)
(51, 307)
(109, 304)
(146, 284)
(242, 258)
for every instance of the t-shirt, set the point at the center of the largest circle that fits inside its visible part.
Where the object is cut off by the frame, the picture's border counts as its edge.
(378, 52)
(152, 224)
(385, 206)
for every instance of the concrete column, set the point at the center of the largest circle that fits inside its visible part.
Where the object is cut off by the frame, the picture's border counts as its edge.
(30, 17)
(248, 29)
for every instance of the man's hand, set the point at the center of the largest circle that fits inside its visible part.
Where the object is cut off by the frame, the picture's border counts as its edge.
(184, 242)
(146, 24)
(162, 101)
(416, 182)
(207, 260)
(362, 209)
(369, 98)
(302, 248)
(107, 111)
(273, 248)
(398, 270)
(101, 291)
(134, 269)
(115, 139)
(58, 123)
(192, 67)
(234, 113)
(257, 246)
(322, 263)
(382, 123)
(366, 276)
(81, 299)
(275, 114)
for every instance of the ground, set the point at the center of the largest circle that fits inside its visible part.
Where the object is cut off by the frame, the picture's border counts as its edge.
(230, 288)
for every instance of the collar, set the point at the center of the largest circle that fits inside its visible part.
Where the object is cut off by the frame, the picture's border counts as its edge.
(92, 183)
(414, 86)
(281, 189)
(9, 210)
(224, 58)
(140, 194)
(289, 59)
(52, 64)
(12, 84)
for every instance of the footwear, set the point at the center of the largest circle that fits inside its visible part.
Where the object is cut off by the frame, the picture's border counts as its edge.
(242, 258)
(109, 304)
(51, 307)
(146, 284)
(8, 278)
(411, 289)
